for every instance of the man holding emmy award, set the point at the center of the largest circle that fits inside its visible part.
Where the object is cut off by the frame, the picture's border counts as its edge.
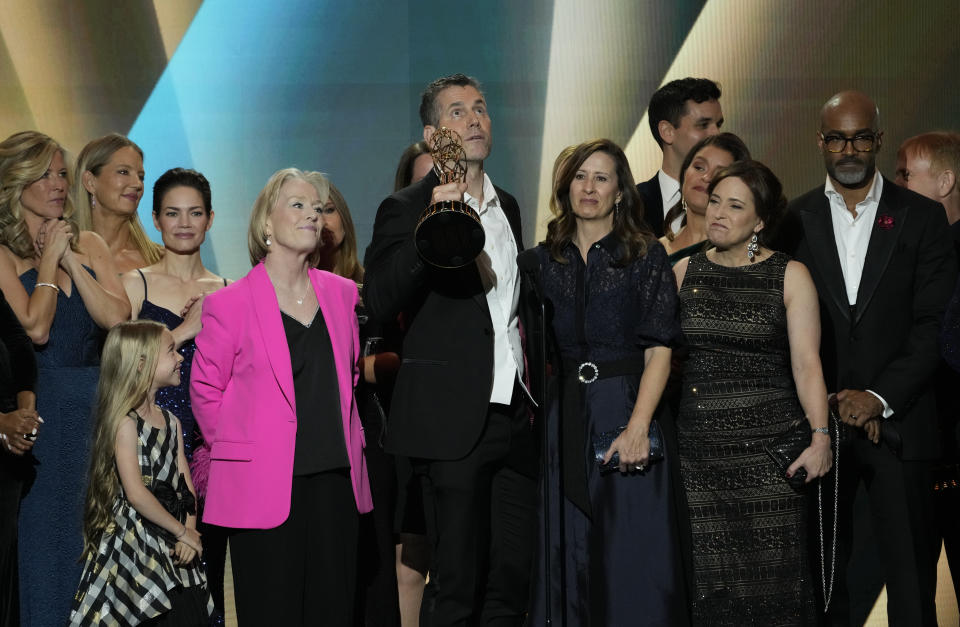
(443, 258)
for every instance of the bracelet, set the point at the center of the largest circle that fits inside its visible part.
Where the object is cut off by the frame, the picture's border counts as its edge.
(53, 285)
(182, 533)
(823, 430)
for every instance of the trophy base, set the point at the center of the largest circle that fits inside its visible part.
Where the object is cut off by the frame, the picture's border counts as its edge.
(449, 234)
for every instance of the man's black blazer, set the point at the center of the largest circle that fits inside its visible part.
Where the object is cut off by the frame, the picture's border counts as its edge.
(889, 343)
(652, 204)
(442, 392)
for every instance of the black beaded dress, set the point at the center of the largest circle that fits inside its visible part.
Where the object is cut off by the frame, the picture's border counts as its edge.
(749, 541)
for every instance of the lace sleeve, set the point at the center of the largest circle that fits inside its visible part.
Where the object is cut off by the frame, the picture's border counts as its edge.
(659, 322)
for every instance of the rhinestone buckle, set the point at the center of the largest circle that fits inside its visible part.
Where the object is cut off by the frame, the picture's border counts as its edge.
(590, 375)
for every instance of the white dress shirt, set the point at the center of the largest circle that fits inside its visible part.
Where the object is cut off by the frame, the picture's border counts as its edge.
(670, 192)
(852, 235)
(498, 272)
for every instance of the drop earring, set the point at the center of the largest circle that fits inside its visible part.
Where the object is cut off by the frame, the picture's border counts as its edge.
(752, 247)
(267, 241)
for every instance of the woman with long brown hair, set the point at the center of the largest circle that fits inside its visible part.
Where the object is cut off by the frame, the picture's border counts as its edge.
(707, 156)
(612, 315)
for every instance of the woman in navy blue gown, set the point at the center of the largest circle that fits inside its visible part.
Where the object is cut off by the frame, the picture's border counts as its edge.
(611, 306)
(171, 292)
(62, 285)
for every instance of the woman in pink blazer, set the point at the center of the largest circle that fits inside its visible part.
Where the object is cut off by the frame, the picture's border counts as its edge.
(272, 390)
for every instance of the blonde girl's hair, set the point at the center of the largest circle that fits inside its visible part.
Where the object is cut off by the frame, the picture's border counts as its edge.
(24, 158)
(267, 200)
(346, 263)
(127, 368)
(92, 158)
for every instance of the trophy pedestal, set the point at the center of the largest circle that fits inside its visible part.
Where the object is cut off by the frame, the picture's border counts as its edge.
(449, 234)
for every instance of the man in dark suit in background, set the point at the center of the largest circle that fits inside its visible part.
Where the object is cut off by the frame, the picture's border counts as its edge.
(681, 113)
(929, 164)
(883, 265)
(458, 403)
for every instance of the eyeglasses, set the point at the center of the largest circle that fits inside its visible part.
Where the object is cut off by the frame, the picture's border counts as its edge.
(838, 143)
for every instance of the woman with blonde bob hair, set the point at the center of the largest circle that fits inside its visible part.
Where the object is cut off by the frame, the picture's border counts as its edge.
(46, 262)
(107, 188)
(272, 390)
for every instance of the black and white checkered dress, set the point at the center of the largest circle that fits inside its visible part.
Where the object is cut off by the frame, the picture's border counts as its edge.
(128, 580)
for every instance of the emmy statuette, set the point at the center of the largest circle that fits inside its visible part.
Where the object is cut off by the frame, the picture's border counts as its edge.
(449, 233)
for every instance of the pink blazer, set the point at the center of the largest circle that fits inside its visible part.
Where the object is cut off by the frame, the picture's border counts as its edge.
(241, 388)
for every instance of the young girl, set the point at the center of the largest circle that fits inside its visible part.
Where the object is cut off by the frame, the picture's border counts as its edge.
(140, 540)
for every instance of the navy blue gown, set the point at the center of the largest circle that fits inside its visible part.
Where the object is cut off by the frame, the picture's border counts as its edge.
(618, 563)
(175, 398)
(51, 514)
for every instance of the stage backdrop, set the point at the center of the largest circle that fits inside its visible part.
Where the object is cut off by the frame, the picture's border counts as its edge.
(238, 90)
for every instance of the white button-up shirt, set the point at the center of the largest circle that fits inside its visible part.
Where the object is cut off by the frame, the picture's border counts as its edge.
(852, 235)
(670, 192)
(498, 272)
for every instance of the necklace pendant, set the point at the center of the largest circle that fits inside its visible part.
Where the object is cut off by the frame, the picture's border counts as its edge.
(299, 301)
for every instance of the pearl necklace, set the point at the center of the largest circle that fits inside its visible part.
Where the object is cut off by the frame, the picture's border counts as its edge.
(300, 300)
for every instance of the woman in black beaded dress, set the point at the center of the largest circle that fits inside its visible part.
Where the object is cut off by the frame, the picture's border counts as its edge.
(612, 310)
(171, 292)
(751, 320)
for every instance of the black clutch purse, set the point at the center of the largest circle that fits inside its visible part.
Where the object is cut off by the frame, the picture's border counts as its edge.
(602, 442)
(786, 448)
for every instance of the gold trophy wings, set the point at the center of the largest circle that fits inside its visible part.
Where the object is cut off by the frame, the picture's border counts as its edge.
(449, 233)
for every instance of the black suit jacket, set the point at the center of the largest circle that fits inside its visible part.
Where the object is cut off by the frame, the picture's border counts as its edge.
(652, 204)
(889, 343)
(442, 392)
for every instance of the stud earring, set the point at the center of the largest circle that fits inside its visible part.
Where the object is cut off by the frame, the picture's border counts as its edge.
(752, 247)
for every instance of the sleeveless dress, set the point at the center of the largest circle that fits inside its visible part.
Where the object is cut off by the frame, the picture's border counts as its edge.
(51, 514)
(684, 252)
(617, 564)
(749, 536)
(130, 578)
(176, 399)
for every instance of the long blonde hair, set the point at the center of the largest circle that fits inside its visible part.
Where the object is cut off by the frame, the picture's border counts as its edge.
(24, 158)
(127, 368)
(92, 158)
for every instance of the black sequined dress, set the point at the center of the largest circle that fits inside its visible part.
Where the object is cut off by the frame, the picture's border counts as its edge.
(749, 540)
